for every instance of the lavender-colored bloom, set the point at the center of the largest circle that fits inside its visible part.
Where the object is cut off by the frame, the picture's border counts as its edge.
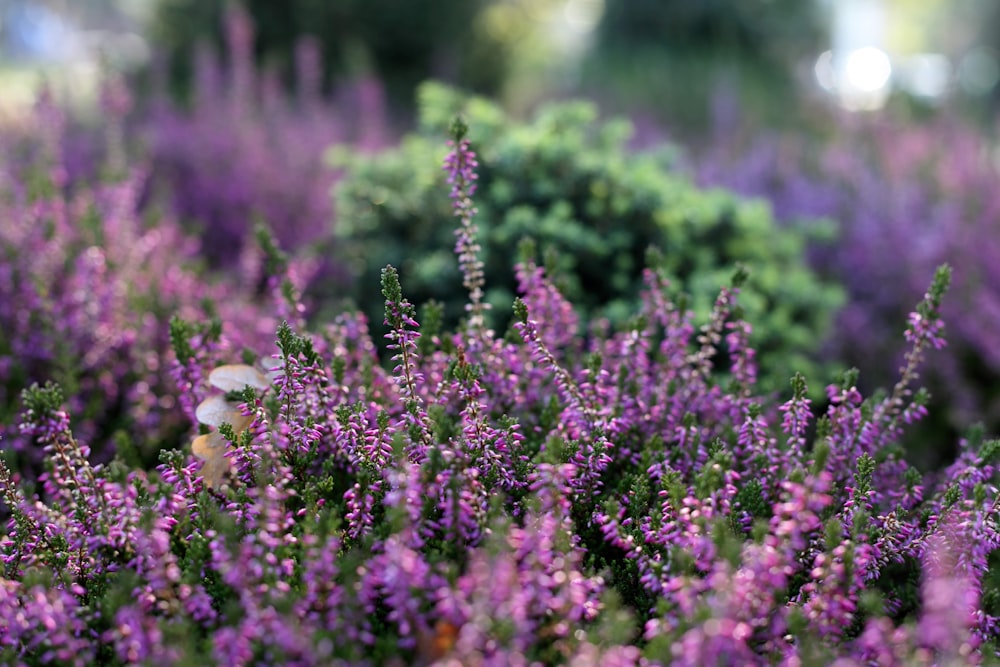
(138, 639)
(44, 625)
(460, 165)
(243, 150)
(797, 416)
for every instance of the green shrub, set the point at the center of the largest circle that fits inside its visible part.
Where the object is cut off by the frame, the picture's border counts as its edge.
(593, 208)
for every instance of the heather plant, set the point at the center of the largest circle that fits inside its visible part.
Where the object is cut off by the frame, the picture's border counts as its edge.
(594, 210)
(244, 150)
(905, 198)
(543, 497)
(91, 279)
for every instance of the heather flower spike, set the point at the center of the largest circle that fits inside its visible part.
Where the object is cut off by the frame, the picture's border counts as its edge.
(460, 165)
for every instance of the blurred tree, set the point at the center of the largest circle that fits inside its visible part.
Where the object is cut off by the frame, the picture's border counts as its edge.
(765, 30)
(979, 71)
(178, 27)
(400, 41)
(673, 55)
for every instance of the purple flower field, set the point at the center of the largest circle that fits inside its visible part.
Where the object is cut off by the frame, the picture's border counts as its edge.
(198, 469)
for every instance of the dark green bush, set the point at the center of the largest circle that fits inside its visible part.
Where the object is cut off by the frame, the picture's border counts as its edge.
(593, 208)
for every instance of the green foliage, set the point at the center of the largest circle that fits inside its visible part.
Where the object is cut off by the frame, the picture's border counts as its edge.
(750, 499)
(292, 344)
(275, 260)
(942, 280)
(181, 332)
(991, 584)
(863, 477)
(593, 209)
(989, 451)
(42, 401)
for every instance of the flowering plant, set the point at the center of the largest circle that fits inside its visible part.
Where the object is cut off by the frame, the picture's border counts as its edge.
(905, 198)
(541, 497)
(244, 150)
(92, 277)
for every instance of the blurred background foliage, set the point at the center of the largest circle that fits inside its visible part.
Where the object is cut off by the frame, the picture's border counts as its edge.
(680, 53)
(669, 60)
(627, 53)
(665, 59)
(400, 41)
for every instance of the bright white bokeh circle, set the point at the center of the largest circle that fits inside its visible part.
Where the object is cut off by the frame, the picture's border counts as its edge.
(867, 69)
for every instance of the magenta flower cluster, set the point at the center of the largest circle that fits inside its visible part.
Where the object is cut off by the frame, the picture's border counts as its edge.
(545, 496)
